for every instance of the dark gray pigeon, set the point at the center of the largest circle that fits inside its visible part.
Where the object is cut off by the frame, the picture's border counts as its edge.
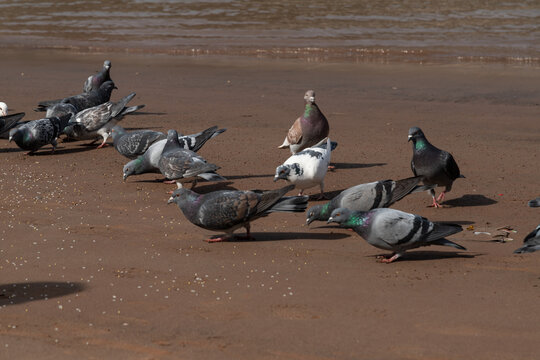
(395, 230)
(228, 210)
(365, 197)
(84, 100)
(8, 122)
(534, 202)
(181, 165)
(437, 167)
(99, 120)
(149, 161)
(34, 134)
(309, 129)
(531, 241)
(94, 81)
(135, 143)
(60, 109)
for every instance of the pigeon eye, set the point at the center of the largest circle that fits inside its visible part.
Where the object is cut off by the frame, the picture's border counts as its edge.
(338, 214)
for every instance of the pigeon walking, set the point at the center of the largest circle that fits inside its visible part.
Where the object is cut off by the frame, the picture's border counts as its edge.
(365, 197)
(228, 210)
(37, 133)
(395, 230)
(437, 167)
(85, 100)
(8, 122)
(94, 81)
(181, 165)
(135, 143)
(307, 168)
(99, 120)
(531, 241)
(309, 129)
(149, 161)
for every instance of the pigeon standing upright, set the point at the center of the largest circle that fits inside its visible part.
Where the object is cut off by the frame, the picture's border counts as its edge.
(8, 122)
(437, 167)
(309, 129)
(307, 168)
(395, 230)
(94, 81)
(37, 133)
(228, 210)
(181, 165)
(365, 197)
(85, 100)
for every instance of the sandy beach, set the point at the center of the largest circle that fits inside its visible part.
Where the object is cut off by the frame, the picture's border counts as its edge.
(96, 268)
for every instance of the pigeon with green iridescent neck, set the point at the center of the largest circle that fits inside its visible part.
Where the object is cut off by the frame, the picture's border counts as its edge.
(37, 133)
(365, 197)
(228, 210)
(437, 167)
(309, 129)
(395, 230)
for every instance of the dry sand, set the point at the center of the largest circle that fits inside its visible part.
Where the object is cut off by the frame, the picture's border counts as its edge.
(127, 277)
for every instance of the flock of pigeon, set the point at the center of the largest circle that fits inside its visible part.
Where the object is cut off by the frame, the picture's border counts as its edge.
(363, 208)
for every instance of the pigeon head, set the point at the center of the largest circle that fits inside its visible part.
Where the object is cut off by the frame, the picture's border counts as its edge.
(107, 87)
(183, 196)
(107, 64)
(317, 212)
(339, 215)
(415, 133)
(176, 196)
(15, 134)
(117, 131)
(282, 172)
(309, 97)
(3, 109)
(133, 167)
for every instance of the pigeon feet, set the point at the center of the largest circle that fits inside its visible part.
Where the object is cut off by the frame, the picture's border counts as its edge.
(217, 239)
(102, 145)
(383, 259)
(441, 197)
(435, 204)
(331, 167)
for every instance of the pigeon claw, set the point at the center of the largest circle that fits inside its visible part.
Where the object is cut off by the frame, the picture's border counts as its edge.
(217, 239)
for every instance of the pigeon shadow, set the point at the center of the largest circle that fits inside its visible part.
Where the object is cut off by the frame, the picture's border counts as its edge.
(433, 255)
(61, 151)
(280, 236)
(459, 222)
(470, 200)
(220, 185)
(10, 150)
(18, 293)
(137, 113)
(354, 165)
(238, 177)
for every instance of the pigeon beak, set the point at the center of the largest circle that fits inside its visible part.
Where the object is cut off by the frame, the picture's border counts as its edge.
(308, 221)
(330, 219)
(125, 177)
(312, 99)
(171, 200)
(115, 87)
(275, 177)
(409, 138)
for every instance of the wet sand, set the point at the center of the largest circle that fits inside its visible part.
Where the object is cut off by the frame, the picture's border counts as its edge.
(126, 276)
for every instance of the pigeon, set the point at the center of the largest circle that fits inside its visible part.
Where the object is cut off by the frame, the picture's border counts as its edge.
(60, 109)
(135, 143)
(307, 168)
(395, 230)
(309, 129)
(94, 81)
(181, 165)
(365, 197)
(84, 100)
(534, 202)
(148, 162)
(437, 167)
(3, 109)
(228, 210)
(7, 122)
(531, 241)
(34, 134)
(99, 120)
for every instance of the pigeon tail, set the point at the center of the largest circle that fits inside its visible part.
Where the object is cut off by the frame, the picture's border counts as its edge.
(527, 249)
(205, 135)
(534, 202)
(212, 177)
(129, 110)
(290, 204)
(118, 107)
(445, 242)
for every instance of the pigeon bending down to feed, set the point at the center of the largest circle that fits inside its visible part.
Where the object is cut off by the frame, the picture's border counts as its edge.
(309, 129)
(365, 197)
(437, 167)
(37, 133)
(531, 241)
(534, 202)
(181, 165)
(135, 143)
(60, 109)
(307, 168)
(395, 230)
(85, 100)
(8, 122)
(94, 81)
(99, 120)
(149, 161)
(228, 210)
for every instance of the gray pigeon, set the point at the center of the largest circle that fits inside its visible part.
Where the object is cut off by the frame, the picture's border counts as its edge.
(437, 167)
(8, 122)
(148, 162)
(181, 165)
(228, 210)
(309, 129)
(84, 100)
(531, 241)
(99, 120)
(37, 133)
(395, 230)
(534, 202)
(94, 81)
(60, 109)
(135, 143)
(365, 197)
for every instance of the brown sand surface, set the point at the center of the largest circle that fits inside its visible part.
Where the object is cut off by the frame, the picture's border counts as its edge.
(125, 276)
